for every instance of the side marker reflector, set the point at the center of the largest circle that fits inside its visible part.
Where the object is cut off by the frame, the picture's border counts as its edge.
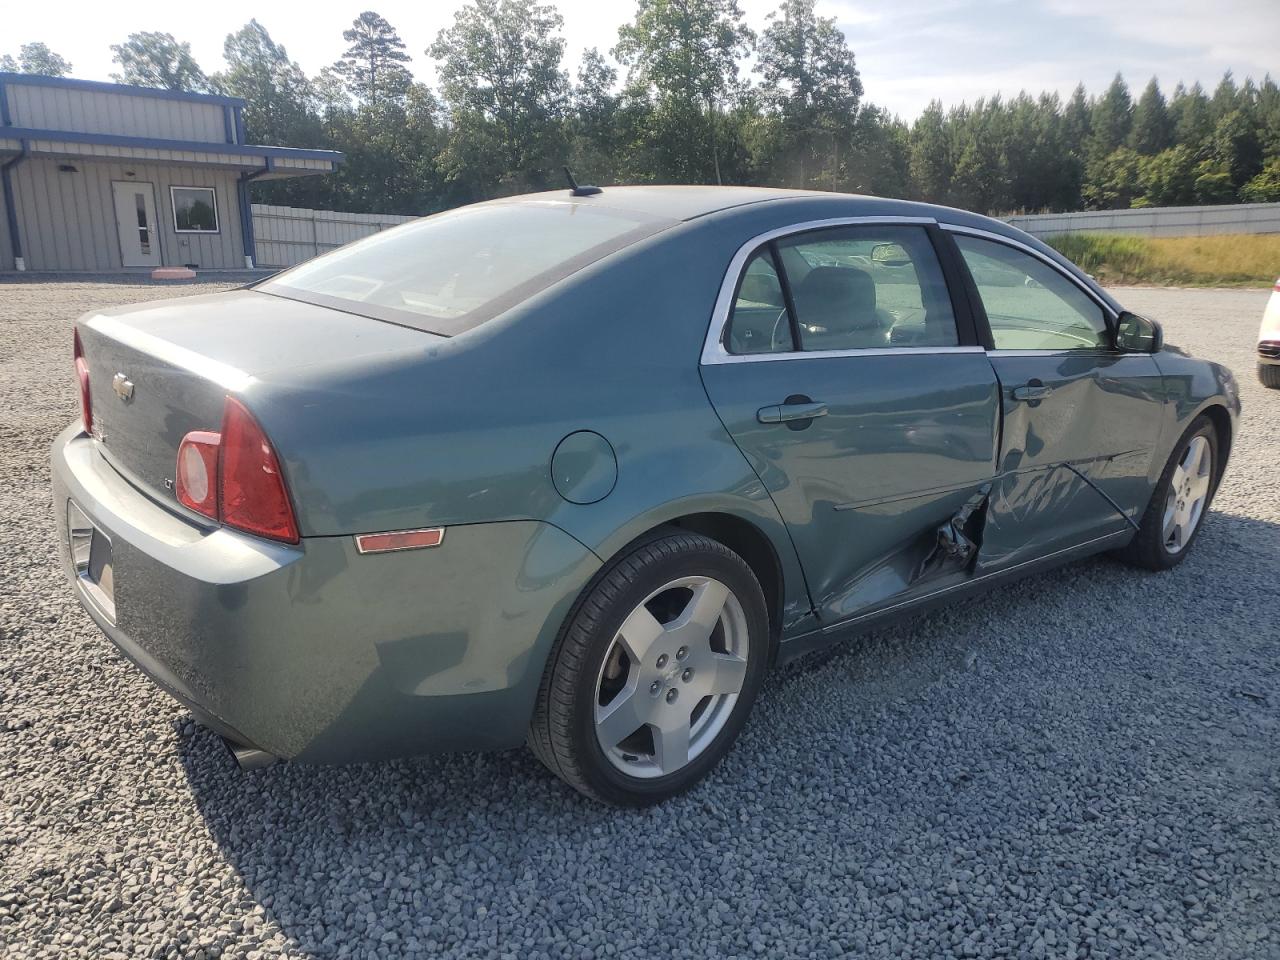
(399, 540)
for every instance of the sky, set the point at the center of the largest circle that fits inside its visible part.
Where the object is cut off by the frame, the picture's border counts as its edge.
(908, 51)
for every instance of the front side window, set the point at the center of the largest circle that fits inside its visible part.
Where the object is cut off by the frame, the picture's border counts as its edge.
(1030, 305)
(195, 209)
(449, 273)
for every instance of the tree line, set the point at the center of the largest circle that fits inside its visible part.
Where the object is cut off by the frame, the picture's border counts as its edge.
(673, 102)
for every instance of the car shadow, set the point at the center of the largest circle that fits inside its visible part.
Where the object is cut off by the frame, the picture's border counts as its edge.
(421, 853)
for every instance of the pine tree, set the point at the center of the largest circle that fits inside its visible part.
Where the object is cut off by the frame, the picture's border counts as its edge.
(374, 63)
(1152, 130)
(1110, 120)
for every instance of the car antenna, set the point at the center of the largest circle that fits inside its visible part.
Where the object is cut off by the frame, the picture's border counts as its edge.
(586, 190)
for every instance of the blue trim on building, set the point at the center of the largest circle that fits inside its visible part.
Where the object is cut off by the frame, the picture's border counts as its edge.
(246, 212)
(10, 208)
(35, 80)
(195, 146)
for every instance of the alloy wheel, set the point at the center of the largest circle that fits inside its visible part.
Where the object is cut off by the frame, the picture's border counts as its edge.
(671, 677)
(1188, 494)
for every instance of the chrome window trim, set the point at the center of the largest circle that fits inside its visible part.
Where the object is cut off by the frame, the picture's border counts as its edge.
(713, 350)
(1109, 315)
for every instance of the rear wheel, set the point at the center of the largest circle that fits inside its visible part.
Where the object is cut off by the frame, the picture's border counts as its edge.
(1180, 501)
(1269, 374)
(654, 673)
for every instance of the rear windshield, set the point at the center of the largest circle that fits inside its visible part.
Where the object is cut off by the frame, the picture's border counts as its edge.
(449, 273)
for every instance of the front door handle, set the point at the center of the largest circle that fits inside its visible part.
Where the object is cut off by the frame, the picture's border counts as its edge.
(785, 412)
(1035, 390)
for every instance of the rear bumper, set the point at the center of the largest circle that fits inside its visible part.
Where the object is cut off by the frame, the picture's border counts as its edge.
(1269, 352)
(314, 652)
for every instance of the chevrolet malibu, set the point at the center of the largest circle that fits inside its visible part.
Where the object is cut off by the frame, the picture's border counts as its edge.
(577, 469)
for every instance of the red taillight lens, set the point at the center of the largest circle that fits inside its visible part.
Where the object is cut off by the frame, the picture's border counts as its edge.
(197, 475)
(251, 491)
(82, 374)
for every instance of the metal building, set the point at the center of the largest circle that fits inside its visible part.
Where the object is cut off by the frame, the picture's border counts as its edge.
(106, 177)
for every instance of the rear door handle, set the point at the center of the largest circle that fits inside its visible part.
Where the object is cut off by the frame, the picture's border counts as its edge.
(1032, 391)
(784, 412)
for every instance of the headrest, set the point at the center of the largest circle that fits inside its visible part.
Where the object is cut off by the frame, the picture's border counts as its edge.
(837, 298)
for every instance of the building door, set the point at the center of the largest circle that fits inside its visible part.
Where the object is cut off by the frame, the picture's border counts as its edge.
(136, 224)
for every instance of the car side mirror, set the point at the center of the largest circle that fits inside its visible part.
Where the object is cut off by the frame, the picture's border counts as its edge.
(1135, 334)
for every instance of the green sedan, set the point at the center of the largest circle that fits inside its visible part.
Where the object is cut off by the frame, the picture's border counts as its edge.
(577, 469)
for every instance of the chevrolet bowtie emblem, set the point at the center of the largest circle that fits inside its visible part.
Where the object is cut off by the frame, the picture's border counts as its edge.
(122, 385)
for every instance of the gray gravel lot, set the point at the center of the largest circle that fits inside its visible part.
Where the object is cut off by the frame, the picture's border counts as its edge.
(1084, 764)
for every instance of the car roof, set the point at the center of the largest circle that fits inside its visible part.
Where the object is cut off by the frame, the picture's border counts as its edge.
(674, 202)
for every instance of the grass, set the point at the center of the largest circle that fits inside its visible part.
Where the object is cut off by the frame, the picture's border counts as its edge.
(1225, 260)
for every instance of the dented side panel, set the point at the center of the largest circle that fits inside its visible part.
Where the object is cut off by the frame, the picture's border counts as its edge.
(1102, 417)
(907, 441)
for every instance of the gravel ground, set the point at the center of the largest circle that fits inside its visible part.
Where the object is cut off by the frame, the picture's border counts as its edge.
(1084, 764)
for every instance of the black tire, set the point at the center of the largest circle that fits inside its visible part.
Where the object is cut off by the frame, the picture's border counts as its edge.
(1148, 549)
(562, 733)
(1269, 374)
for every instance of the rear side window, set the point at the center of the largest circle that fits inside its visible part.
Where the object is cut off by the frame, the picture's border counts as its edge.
(1030, 305)
(758, 323)
(852, 288)
(449, 273)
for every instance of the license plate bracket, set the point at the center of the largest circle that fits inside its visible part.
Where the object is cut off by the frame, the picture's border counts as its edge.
(91, 556)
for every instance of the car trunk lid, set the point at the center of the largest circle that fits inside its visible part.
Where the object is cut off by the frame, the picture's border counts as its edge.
(160, 370)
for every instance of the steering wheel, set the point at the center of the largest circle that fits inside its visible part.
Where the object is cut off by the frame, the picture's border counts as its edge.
(774, 341)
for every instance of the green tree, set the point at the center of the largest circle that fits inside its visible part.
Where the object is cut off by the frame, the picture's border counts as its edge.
(1110, 120)
(1112, 183)
(501, 76)
(373, 66)
(811, 78)
(1152, 129)
(1213, 183)
(682, 57)
(1265, 187)
(36, 58)
(593, 125)
(931, 161)
(1192, 117)
(1237, 148)
(1169, 178)
(280, 102)
(158, 60)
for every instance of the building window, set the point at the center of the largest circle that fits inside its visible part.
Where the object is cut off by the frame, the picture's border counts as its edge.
(195, 209)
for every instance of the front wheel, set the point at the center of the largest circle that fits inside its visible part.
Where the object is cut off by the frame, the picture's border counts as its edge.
(1180, 501)
(655, 672)
(1269, 375)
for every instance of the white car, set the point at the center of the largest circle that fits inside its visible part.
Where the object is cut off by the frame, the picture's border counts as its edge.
(1269, 342)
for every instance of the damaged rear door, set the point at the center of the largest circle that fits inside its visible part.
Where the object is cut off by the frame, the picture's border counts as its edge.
(856, 388)
(1080, 418)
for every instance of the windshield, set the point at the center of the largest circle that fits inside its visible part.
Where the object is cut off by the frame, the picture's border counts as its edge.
(449, 273)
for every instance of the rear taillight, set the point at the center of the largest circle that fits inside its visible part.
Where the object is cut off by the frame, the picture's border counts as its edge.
(251, 487)
(234, 477)
(196, 482)
(82, 374)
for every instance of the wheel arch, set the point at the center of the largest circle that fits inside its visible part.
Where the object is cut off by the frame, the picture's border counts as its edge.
(1221, 419)
(784, 590)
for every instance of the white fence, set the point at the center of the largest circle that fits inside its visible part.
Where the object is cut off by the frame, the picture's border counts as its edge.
(288, 235)
(1158, 221)
(284, 236)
